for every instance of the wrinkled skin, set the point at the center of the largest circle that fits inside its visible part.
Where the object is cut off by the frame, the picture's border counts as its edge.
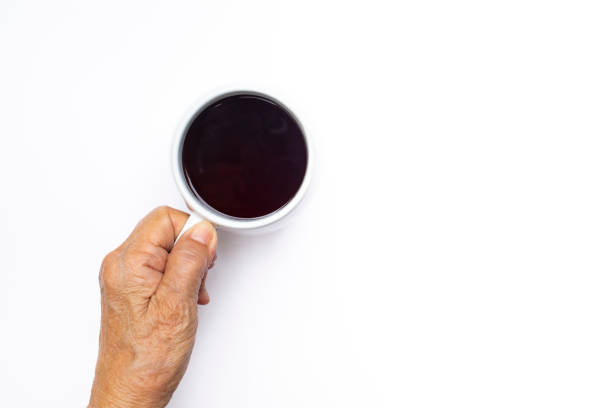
(150, 291)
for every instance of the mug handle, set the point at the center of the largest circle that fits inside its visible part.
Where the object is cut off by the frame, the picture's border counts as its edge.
(191, 221)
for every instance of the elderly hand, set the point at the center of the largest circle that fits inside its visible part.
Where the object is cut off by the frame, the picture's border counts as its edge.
(150, 290)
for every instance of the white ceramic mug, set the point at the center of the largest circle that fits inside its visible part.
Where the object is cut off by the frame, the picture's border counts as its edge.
(199, 209)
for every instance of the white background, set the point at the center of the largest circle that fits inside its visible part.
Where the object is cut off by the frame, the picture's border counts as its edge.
(455, 247)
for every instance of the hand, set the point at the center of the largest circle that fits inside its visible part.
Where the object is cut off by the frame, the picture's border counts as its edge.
(150, 291)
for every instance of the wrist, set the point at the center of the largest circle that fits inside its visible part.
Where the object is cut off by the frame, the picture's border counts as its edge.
(106, 396)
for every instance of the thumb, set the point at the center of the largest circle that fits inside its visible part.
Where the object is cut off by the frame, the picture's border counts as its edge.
(188, 261)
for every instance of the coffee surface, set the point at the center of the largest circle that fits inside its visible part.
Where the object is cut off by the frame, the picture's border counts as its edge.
(244, 155)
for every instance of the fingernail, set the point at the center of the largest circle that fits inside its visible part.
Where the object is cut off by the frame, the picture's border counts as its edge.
(202, 233)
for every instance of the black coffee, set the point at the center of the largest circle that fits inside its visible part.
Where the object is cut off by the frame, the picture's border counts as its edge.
(244, 155)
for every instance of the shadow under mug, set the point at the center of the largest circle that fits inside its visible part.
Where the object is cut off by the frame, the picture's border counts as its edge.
(200, 210)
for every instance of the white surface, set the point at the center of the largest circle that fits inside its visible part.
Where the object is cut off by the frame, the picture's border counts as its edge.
(454, 249)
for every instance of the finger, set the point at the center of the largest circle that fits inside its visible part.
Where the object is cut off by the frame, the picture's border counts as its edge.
(203, 296)
(158, 229)
(188, 261)
(213, 261)
(144, 253)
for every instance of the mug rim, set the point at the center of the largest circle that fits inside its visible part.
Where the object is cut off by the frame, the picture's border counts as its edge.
(203, 209)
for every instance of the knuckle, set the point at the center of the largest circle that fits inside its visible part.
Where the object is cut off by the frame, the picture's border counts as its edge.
(192, 256)
(108, 276)
(145, 254)
(142, 252)
(162, 210)
(110, 259)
